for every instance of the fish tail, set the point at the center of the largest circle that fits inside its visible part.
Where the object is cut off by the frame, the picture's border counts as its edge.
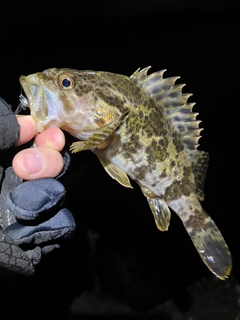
(205, 236)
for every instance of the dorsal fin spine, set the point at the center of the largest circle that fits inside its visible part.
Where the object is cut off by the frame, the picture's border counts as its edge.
(170, 99)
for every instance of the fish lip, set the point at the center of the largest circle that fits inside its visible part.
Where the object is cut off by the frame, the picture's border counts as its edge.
(31, 87)
(30, 84)
(44, 125)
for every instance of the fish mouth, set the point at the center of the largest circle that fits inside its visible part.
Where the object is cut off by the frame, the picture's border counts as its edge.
(40, 101)
(34, 92)
(30, 84)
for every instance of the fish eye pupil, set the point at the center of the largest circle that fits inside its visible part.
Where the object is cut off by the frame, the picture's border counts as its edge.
(66, 83)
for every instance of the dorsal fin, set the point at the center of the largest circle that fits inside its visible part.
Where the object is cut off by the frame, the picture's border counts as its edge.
(139, 75)
(171, 99)
(200, 161)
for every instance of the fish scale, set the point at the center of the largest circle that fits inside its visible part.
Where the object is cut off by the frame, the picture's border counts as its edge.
(140, 127)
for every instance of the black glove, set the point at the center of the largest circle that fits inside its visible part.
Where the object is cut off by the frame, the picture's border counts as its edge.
(32, 218)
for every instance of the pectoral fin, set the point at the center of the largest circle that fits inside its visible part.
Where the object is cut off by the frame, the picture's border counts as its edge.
(115, 173)
(160, 210)
(99, 138)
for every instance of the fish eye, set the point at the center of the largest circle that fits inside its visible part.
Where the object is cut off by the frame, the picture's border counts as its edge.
(66, 82)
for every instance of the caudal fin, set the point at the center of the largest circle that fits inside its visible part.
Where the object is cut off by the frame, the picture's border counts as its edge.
(205, 236)
(211, 247)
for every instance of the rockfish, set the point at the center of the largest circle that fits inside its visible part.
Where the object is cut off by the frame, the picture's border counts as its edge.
(140, 127)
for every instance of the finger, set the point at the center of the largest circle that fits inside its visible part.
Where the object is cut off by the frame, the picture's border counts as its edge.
(51, 138)
(34, 163)
(27, 129)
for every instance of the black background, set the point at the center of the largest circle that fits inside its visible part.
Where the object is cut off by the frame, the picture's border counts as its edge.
(117, 249)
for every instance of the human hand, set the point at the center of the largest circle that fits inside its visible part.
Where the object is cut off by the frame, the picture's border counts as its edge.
(33, 220)
(45, 159)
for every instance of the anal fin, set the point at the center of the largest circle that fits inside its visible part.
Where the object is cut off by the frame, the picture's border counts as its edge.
(159, 208)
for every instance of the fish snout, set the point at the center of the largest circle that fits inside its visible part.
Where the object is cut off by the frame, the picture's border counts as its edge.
(31, 85)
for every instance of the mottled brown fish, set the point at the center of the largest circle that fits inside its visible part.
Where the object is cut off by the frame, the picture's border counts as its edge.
(140, 127)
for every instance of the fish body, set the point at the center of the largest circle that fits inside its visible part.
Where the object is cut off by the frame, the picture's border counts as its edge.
(140, 127)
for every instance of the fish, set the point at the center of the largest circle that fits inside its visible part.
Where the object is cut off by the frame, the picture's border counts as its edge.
(141, 128)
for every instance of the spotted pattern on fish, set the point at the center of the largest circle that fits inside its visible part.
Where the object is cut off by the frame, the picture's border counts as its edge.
(140, 127)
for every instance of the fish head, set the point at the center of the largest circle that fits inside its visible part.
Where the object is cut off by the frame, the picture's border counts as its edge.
(68, 99)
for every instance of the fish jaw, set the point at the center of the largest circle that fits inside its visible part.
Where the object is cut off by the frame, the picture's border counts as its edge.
(43, 103)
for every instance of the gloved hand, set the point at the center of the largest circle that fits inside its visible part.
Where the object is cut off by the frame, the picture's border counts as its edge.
(32, 217)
